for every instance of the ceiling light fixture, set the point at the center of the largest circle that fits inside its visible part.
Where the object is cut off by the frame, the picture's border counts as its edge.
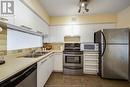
(83, 6)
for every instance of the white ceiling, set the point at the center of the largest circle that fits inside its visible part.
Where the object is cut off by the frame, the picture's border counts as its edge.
(70, 7)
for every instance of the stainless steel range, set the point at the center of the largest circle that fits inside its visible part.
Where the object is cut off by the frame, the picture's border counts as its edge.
(73, 59)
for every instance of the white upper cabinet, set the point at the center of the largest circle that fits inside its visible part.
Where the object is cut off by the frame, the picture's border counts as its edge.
(23, 15)
(39, 25)
(76, 30)
(26, 17)
(71, 30)
(86, 32)
(56, 34)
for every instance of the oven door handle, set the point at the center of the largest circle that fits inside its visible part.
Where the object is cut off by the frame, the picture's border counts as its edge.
(74, 67)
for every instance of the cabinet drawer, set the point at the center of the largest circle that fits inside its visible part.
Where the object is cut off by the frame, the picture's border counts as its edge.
(89, 62)
(92, 72)
(91, 67)
(86, 57)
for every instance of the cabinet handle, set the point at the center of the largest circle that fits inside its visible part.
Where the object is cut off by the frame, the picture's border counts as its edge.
(26, 27)
(39, 32)
(43, 61)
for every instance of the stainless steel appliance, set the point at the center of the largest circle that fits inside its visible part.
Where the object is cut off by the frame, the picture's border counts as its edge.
(73, 59)
(25, 78)
(114, 54)
(89, 47)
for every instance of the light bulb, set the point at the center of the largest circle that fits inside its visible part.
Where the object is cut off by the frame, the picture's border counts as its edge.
(82, 4)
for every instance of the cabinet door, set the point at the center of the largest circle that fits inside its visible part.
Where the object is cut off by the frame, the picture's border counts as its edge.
(44, 70)
(49, 65)
(53, 35)
(75, 30)
(23, 15)
(44, 28)
(87, 31)
(68, 30)
(42, 73)
(39, 25)
(58, 62)
(51, 62)
(60, 35)
(56, 34)
(46, 38)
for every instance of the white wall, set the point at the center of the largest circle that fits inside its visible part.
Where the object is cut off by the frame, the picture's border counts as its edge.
(20, 40)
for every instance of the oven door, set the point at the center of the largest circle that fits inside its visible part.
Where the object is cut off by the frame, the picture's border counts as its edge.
(73, 60)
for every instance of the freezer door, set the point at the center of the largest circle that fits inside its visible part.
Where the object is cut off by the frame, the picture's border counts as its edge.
(115, 62)
(97, 37)
(116, 35)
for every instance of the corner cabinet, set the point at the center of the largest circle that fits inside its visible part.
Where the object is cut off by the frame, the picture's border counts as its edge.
(44, 70)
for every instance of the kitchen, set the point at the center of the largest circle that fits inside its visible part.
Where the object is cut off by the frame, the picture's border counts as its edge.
(64, 43)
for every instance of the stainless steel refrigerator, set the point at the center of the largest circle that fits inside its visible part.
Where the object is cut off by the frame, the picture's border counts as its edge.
(114, 54)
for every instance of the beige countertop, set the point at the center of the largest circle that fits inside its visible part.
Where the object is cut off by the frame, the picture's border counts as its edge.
(13, 65)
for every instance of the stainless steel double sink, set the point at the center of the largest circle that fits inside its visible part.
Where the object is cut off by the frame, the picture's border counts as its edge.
(34, 55)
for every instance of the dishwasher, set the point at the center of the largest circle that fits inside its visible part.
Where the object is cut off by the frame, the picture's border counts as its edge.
(25, 78)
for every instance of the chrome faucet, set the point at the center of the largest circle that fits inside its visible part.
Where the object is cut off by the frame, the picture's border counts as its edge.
(33, 51)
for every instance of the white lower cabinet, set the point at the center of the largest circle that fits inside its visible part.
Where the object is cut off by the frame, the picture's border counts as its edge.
(90, 63)
(50, 64)
(58, 62)
(44, 70)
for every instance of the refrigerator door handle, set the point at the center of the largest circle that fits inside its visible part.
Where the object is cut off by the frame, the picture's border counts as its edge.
(104, 43)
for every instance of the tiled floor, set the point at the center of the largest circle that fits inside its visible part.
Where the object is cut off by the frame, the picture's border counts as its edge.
(60, 80)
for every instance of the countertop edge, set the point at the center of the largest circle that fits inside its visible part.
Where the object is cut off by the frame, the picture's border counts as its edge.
(25, 66)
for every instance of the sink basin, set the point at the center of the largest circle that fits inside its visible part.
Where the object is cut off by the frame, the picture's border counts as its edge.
(32, 56)
(35, 55)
